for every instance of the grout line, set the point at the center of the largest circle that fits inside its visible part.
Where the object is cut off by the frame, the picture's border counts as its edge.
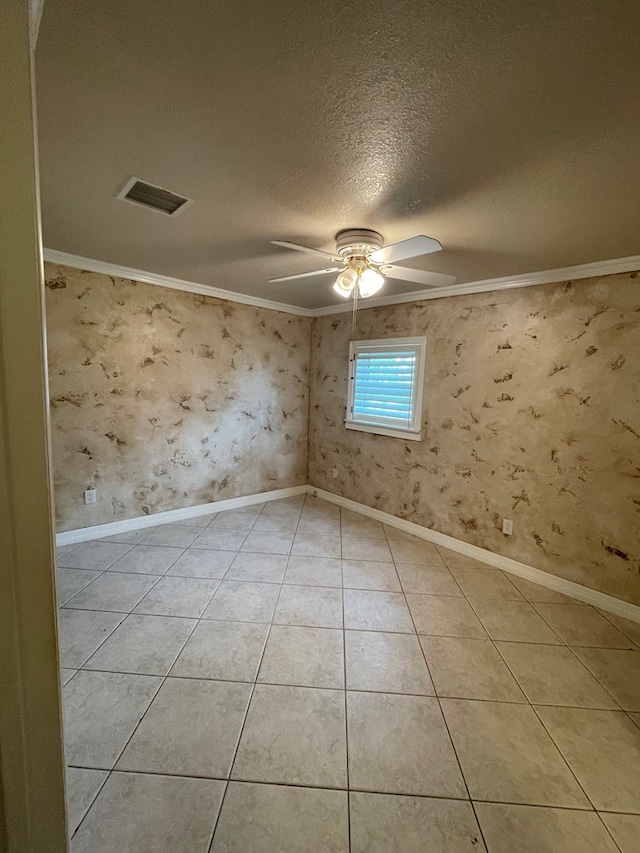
(346, 695)
(271, 623)
(251, 694)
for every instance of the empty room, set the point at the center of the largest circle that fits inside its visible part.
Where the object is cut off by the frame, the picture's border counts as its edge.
(338, 335)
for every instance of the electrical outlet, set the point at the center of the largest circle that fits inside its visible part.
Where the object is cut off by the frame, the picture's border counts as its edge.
(90, 496)
(334, 473)
(507, 526)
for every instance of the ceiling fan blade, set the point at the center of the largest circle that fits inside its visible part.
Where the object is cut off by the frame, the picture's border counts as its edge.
(305, 274)
(430, 279)
(410, 248)
(297, 248)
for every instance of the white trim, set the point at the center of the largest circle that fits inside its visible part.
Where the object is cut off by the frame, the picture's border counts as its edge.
(378, 430)
(592, 270)
(99, 531)
(91, 265)
(567, 587)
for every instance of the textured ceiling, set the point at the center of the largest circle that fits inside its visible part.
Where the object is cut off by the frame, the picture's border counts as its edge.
(507, 130)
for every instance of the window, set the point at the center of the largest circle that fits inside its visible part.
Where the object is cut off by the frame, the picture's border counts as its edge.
(385, 386)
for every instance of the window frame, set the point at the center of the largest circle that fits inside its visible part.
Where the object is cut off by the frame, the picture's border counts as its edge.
(413, 432)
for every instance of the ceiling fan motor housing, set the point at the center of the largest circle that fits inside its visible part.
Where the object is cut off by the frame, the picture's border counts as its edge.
(358, 242)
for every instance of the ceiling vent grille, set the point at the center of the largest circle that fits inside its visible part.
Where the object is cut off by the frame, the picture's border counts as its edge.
(157, 198)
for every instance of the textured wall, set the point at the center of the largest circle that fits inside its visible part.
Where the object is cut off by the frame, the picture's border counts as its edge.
(163, 399)
(531, 412)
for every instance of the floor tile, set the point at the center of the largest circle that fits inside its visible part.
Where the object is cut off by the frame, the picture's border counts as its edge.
(625, 829)
(429, 580)
(542, 594)
(489, 584)
(316, 545)
(368, 574)
(366, 610)
(96, 556)
(265, 568)
(310, 606)
(578, 625)
(234, 520)
(136, 813)
(80, 632)
(469, 669)
(319, 525)
(147, 559)
(295, 736)
(284, 506)
(399, 744)
(618, 670)
(314, 571)
(386, 823)
(200, 521)
(101, 710)
(283, 820)
(176, 535)
(445, 616)
(131, 537)
(307, 657)
(220, 539)
(629, 628)
(113, 591)
(388, 663)
(267, 543)
(552, 675)
(354, 526)
(454, 559)
(243, 602)
(516, 621)
(70, 581)
(366, 549)
(191, 729)
(394, 534)
(420, 553)
(286, 525)
(175, 596)
(223, 650)
(320, 507)
(61, 550)
(82, 788)
(603, 750)
(196, 563)
(507, 756)
(530, 829)
(147, 645)
(66, 675)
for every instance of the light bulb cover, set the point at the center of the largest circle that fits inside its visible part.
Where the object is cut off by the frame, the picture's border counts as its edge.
(345, 282)
(370, 282)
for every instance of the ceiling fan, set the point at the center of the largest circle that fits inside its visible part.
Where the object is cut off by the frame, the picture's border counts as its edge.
(365, 262)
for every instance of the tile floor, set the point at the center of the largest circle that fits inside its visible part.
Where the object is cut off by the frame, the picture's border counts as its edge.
(294, 677)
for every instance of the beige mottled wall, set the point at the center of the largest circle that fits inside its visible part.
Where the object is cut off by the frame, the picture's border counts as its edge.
(531, 412)
(162, 399)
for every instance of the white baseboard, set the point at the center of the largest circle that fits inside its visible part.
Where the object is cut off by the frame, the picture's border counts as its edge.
(575, 590)
(99, 531)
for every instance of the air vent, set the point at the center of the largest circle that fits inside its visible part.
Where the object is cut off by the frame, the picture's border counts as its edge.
(157, 198)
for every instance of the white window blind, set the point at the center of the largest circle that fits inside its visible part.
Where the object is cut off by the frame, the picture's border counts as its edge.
(385, 386)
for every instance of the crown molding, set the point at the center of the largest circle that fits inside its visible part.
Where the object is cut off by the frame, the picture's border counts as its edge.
(92, 265)
(591, 270)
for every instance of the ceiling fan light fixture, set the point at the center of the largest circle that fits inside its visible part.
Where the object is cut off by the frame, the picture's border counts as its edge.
(370, 282)
(345, 282)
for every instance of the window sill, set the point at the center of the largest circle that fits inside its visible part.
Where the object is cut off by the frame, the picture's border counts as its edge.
(409, 435)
